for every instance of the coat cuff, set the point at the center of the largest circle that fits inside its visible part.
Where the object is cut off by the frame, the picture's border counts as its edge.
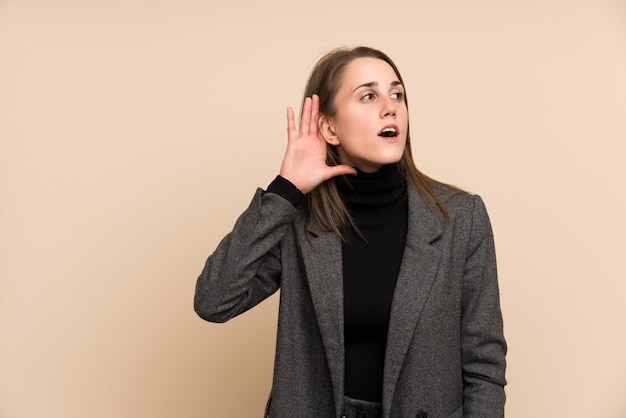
(286, 189)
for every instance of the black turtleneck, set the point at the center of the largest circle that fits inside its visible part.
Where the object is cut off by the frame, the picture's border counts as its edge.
(371, 261)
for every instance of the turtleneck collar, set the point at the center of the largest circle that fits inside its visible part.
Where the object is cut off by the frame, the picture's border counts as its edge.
(372, 197)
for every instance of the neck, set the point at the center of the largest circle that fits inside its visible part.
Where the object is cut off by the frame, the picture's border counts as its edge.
(370, 196)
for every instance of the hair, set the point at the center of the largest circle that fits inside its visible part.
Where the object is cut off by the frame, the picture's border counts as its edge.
(325, 206)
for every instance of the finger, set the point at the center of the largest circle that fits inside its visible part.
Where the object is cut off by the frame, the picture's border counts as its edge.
(315, 107)
(338, 170)
(306, 117)
(291, 125)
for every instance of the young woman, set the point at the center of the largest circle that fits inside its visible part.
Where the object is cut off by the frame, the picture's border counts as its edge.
(389, 302)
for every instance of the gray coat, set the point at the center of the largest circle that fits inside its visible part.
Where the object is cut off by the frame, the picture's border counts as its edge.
(445, 351)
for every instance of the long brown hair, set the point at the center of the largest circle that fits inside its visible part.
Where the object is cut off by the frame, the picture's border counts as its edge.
(325, 206)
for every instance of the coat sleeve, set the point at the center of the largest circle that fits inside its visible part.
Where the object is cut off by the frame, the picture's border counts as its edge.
(482, 341)
(245, 268)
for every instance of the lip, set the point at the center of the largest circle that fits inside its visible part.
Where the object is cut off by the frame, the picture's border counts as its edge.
(390, 139)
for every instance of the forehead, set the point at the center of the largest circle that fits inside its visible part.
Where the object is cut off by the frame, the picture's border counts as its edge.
(366, 70)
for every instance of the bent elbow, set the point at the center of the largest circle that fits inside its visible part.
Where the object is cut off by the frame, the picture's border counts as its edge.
(209, 312)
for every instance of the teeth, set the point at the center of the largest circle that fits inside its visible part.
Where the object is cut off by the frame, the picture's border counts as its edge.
(388, 132)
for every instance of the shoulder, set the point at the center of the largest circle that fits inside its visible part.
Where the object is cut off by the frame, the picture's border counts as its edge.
(453, 197)
(461, 204)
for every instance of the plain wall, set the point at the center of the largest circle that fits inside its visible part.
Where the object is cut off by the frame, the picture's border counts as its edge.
(134, 132)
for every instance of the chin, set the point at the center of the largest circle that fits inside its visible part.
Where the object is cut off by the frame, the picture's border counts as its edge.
(392, 159)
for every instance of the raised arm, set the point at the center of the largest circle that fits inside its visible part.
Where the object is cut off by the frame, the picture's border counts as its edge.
(246, 266)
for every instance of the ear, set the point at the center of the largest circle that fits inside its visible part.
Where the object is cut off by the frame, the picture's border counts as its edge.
(326, 128)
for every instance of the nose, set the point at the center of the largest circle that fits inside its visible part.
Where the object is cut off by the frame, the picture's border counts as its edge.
(388, 108)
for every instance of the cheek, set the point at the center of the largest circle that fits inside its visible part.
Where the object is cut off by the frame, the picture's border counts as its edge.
(350, 124)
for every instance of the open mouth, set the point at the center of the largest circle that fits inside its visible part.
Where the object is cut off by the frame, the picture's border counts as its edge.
(388, 132)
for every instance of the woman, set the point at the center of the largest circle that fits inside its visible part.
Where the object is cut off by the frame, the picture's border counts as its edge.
(389, 301)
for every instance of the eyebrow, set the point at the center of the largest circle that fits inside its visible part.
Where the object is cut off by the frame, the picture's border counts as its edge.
(375, 84)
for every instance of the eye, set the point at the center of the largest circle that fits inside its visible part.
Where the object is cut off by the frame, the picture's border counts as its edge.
(397, 95)
(368, 97)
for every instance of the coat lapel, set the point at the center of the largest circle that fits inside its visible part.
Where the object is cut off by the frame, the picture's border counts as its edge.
(321, 254)
(322, 258)
(417, 275)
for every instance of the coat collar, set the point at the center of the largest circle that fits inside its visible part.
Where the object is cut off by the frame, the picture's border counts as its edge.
(321, 253)
(417, 274)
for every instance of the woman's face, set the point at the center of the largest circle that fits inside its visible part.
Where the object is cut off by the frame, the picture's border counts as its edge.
(370, 126)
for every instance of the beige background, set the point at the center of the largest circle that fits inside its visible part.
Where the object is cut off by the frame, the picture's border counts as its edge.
(133, 133)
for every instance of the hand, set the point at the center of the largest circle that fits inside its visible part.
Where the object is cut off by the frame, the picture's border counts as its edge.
(304, 163)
